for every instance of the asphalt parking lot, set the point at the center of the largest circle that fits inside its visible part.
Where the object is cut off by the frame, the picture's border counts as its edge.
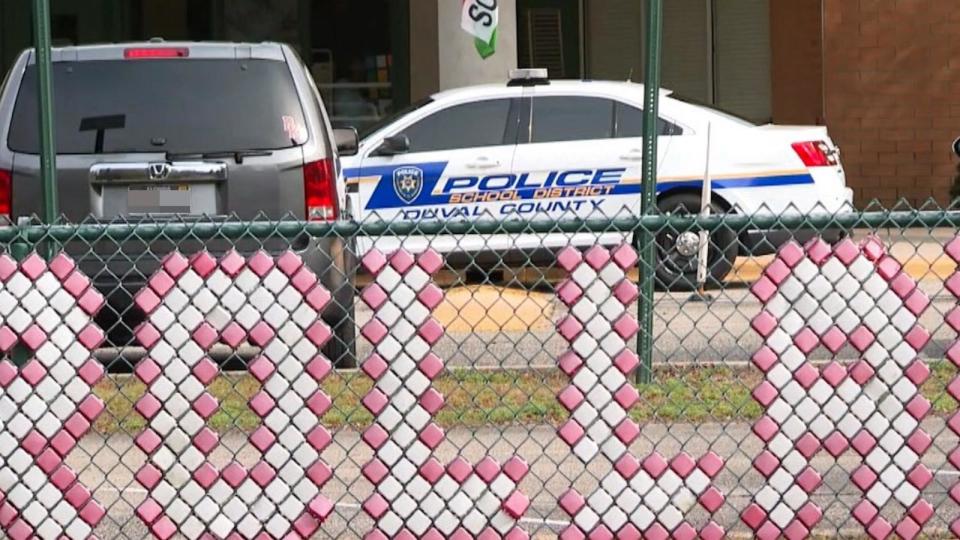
(553, 469)
(488, 326)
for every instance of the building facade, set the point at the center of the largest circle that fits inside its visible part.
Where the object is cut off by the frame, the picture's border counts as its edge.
(881, 74)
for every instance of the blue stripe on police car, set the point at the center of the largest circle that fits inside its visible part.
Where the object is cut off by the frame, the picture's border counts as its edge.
(417, 185)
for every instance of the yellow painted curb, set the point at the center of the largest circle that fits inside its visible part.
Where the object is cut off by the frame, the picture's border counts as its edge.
(491, 309)
(749, 270)
(484, 308)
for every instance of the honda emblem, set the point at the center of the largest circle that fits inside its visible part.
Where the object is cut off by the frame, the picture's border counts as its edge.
(159, 171)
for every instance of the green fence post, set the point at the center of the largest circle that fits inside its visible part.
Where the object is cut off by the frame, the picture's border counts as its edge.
(651, 82)
(48, 168)
(19, 250)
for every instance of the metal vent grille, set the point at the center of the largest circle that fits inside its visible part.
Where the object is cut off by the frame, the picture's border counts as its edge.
(541, 42)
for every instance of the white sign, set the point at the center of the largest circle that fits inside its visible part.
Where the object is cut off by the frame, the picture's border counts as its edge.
(480, 19)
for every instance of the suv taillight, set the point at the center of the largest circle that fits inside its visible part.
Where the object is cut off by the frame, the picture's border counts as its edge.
(815, 154)
(320, 190)
(6, 194)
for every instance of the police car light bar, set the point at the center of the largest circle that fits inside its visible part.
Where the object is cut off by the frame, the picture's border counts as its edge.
(528, 77)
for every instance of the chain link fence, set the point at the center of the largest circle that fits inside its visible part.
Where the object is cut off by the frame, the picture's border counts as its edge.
(281, 379)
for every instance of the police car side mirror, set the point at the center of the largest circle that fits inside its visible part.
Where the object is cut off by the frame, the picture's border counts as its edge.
(956, 147)
(396, 144)
(347, 141)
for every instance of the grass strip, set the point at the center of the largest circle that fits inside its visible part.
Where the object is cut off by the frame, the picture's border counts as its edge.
(483, 398)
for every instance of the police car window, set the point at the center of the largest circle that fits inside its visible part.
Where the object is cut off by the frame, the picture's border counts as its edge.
(482, 123)
(393, 117)
(571, 118)
(630, 123)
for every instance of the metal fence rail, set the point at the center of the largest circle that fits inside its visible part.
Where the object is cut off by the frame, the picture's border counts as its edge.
(287, 379)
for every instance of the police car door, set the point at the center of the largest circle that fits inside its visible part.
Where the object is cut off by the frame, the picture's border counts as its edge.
(577, 163)
(454, 151)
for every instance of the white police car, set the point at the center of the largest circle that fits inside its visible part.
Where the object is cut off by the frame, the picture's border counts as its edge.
(534, 148)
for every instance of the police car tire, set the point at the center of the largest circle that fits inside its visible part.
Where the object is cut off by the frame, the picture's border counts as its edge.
(722, 253)
(341, 348)
(340, 315)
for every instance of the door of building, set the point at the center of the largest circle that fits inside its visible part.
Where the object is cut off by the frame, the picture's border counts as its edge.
(742, 57)
(716, 51)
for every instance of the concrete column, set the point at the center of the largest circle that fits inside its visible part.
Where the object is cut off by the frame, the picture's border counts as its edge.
(424, 55)
(459, 64)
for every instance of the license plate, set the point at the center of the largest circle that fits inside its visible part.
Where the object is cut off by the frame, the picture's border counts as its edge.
(159, 199)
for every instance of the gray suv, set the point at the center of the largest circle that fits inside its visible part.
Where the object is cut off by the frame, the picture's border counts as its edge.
(160, 131)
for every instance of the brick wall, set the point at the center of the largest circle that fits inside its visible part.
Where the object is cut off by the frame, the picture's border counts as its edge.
(892, 94)
(796, 68)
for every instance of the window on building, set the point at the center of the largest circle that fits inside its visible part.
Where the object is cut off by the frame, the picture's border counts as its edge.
(359, 57)
(548, 36)
(64, 29)
(471, 125)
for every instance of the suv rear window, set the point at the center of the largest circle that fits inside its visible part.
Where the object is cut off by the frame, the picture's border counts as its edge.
(179, 106)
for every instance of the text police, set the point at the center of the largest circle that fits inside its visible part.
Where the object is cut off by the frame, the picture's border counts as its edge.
(560, 188)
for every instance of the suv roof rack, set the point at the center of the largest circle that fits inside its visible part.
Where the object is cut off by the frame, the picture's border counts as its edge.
(529, 77)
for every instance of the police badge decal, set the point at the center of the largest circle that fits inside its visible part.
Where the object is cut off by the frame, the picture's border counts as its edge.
(408, 183)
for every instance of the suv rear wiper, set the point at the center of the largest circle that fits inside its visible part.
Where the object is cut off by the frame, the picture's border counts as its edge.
(101, 124)
(237, 155)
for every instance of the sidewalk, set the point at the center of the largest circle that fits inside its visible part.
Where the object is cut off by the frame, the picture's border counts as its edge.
(553, 469)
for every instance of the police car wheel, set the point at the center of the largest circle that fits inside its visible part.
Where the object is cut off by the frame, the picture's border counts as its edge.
(678, 252)
(339, 278)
